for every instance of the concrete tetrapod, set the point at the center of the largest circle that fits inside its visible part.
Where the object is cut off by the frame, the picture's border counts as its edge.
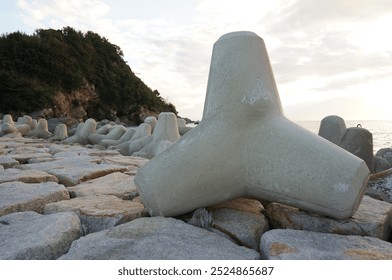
(332, 128)
(164, 135)
(244, 146)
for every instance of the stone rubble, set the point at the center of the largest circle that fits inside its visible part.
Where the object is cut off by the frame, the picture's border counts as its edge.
(156, 238)
(73, 201)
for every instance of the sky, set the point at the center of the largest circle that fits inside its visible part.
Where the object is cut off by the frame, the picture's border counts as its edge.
(329, 57)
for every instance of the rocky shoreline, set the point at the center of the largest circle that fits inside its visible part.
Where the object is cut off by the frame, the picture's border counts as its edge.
(69, 201)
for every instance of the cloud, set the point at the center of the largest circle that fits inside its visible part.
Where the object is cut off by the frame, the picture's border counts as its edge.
(320, 50)
(44, 13)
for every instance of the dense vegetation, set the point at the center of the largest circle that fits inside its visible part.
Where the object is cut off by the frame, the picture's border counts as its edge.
(34, 67)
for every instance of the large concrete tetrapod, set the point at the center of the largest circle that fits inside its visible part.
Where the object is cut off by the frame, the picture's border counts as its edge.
(244, 146)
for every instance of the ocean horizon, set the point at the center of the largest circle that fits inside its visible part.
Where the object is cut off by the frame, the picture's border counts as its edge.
(380, 129)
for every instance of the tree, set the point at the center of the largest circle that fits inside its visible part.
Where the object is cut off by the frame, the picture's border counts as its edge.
(34, 67)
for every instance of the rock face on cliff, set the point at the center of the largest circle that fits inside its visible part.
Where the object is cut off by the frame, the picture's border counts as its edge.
(67, 73)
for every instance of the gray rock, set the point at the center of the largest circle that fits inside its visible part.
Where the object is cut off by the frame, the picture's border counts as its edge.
(373, 218)
(29, 235)
(383, 182)
(156, 238)
(75, 150)
(117, 183)
(359, 142)
(125, 160)
(26, 176)
(19, 196)
(59, 163)
(245, 227)
(385, 153)
(332, 128)
(73, 171)
(12, 143)
(381, 164)
(288, 244)
(8, 161)
(99, 212)
(23, 158)
(76, 174)
(376, 194)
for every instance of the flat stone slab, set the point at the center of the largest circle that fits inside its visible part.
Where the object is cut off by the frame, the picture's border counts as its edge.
(15, 142)
(73, 171)
(117, 183)
(99, 212)
(373, 218)
(63, 151)
(156, 238)
(32, 236)
(26, 153)
(8, 161)
(125, 160)
(59, 163)
(26, 176)
(24, 158)
(19, 196)
(288, 244)
(76, 174)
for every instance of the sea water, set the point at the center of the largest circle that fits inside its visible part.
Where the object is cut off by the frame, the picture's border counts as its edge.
(381, 130)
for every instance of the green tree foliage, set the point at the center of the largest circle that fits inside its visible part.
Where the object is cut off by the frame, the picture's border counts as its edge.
(34, 67)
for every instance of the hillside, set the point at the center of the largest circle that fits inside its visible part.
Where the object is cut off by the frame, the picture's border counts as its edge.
(69, 71)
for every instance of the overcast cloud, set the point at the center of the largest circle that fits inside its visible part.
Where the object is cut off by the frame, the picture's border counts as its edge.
(328, 57)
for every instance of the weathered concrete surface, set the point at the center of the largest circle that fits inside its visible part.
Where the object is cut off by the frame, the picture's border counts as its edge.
(373, 218)
(26, 176)
(274, 159)
(359, 142)
(117, 184)
(19, 196)
(288, 244)
(99, 212)
(156, 238)
(332, 128)
(31, 236)
(164, 135)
